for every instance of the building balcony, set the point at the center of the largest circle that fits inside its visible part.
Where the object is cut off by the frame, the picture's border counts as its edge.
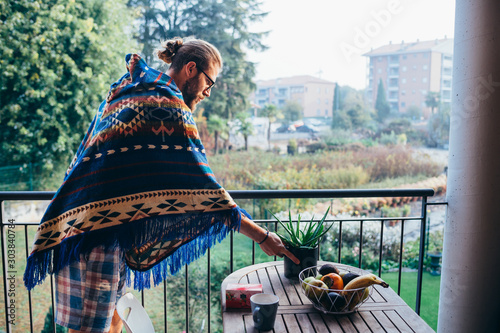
(190, 300)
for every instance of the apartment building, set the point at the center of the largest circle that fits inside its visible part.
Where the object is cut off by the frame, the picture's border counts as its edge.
(409, 71)
(314, 94)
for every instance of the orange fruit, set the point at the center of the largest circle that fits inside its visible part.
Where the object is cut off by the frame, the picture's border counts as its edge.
(333, 281)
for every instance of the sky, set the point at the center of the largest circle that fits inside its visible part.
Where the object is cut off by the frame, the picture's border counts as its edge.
(327, 38)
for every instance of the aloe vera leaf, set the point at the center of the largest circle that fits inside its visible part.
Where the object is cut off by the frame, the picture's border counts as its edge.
(292, 240)
(318, 237)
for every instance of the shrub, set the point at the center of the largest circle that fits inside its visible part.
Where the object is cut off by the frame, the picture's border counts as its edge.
(371, 245)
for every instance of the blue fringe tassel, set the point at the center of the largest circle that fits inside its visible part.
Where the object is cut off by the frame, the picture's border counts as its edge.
(135, 234)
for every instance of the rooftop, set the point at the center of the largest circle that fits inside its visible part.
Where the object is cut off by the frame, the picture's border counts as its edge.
(438, 45)
(293, 80)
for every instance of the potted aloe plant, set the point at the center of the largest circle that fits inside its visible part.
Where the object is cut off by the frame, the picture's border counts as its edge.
(302, 239)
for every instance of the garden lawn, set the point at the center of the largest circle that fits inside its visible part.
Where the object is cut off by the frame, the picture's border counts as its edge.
(430, 293)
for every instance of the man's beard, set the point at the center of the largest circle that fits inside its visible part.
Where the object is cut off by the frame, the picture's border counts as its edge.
(190, 93)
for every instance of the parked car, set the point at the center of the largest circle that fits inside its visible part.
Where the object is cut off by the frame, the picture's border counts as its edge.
(306, 129)
(285, 128)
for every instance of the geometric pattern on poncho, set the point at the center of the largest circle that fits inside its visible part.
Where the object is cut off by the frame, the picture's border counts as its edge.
(96, 215)
(140, 180)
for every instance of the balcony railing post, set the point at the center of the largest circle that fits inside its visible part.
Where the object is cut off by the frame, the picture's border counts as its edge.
(4, 270)
(381, 248)
(421, 255)
(360, 255)
(401, 243)
(26, 244)
(208, 287)
(187, 298)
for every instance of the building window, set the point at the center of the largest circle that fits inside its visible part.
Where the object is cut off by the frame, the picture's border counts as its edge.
(426, 55)
(414, 79)
(424, 92)
(404, 56)
(326, 91)
(379, 70)
(404, 68)
(326, 101)
(319, 101)
(414, 67)
(326, 112)
(379, 59)
(403, 80)
(403, 92)
(425, 67)
(394, 71)
(424, 80)
(318, 112)
(403, 104)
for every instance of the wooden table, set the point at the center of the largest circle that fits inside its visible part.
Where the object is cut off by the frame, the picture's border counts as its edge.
(384, 311)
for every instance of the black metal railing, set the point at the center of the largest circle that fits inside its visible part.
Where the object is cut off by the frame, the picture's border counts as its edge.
(424, 194)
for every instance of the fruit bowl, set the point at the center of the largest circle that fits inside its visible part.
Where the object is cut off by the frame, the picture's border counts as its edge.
(329, 300)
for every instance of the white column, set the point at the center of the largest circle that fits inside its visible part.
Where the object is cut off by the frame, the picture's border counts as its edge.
(470, 288)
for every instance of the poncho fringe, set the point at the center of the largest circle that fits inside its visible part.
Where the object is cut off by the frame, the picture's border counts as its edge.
(146, 231)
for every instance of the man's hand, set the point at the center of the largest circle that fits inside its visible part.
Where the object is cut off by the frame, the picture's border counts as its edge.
(272, 245)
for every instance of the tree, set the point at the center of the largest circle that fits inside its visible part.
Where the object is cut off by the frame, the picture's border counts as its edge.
(245, 126)
(381, 105)
(272, 113)
(356, 109)
(217, 125)
(337, 98)
(414, 112)
(222, 23)
(292, 111)
(432, 100)
(439, 128)
(340, 119)
(58, 59)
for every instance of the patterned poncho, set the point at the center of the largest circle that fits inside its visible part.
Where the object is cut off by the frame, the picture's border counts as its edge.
(139, 181)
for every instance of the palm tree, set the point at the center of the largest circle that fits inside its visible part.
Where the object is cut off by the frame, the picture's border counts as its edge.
(432, 100)
(272, 113)
(217, 125)
(245, 127)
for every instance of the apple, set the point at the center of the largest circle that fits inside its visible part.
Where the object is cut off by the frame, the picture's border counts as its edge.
(306, 281)
(315, 290)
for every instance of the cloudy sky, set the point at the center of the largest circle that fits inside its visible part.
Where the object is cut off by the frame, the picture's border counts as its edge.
(327, 38)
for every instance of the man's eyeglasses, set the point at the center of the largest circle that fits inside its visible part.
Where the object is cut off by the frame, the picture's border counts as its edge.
(212, 82)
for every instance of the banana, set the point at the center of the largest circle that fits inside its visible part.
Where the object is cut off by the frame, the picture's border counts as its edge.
(354, 290)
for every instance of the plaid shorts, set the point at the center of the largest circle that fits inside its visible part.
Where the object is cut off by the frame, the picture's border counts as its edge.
(87, 290)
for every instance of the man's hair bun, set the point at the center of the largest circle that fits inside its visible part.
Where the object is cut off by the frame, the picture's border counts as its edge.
(169, 48)
(177, 52)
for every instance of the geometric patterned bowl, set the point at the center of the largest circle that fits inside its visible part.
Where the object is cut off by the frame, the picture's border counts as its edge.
(332, 301)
